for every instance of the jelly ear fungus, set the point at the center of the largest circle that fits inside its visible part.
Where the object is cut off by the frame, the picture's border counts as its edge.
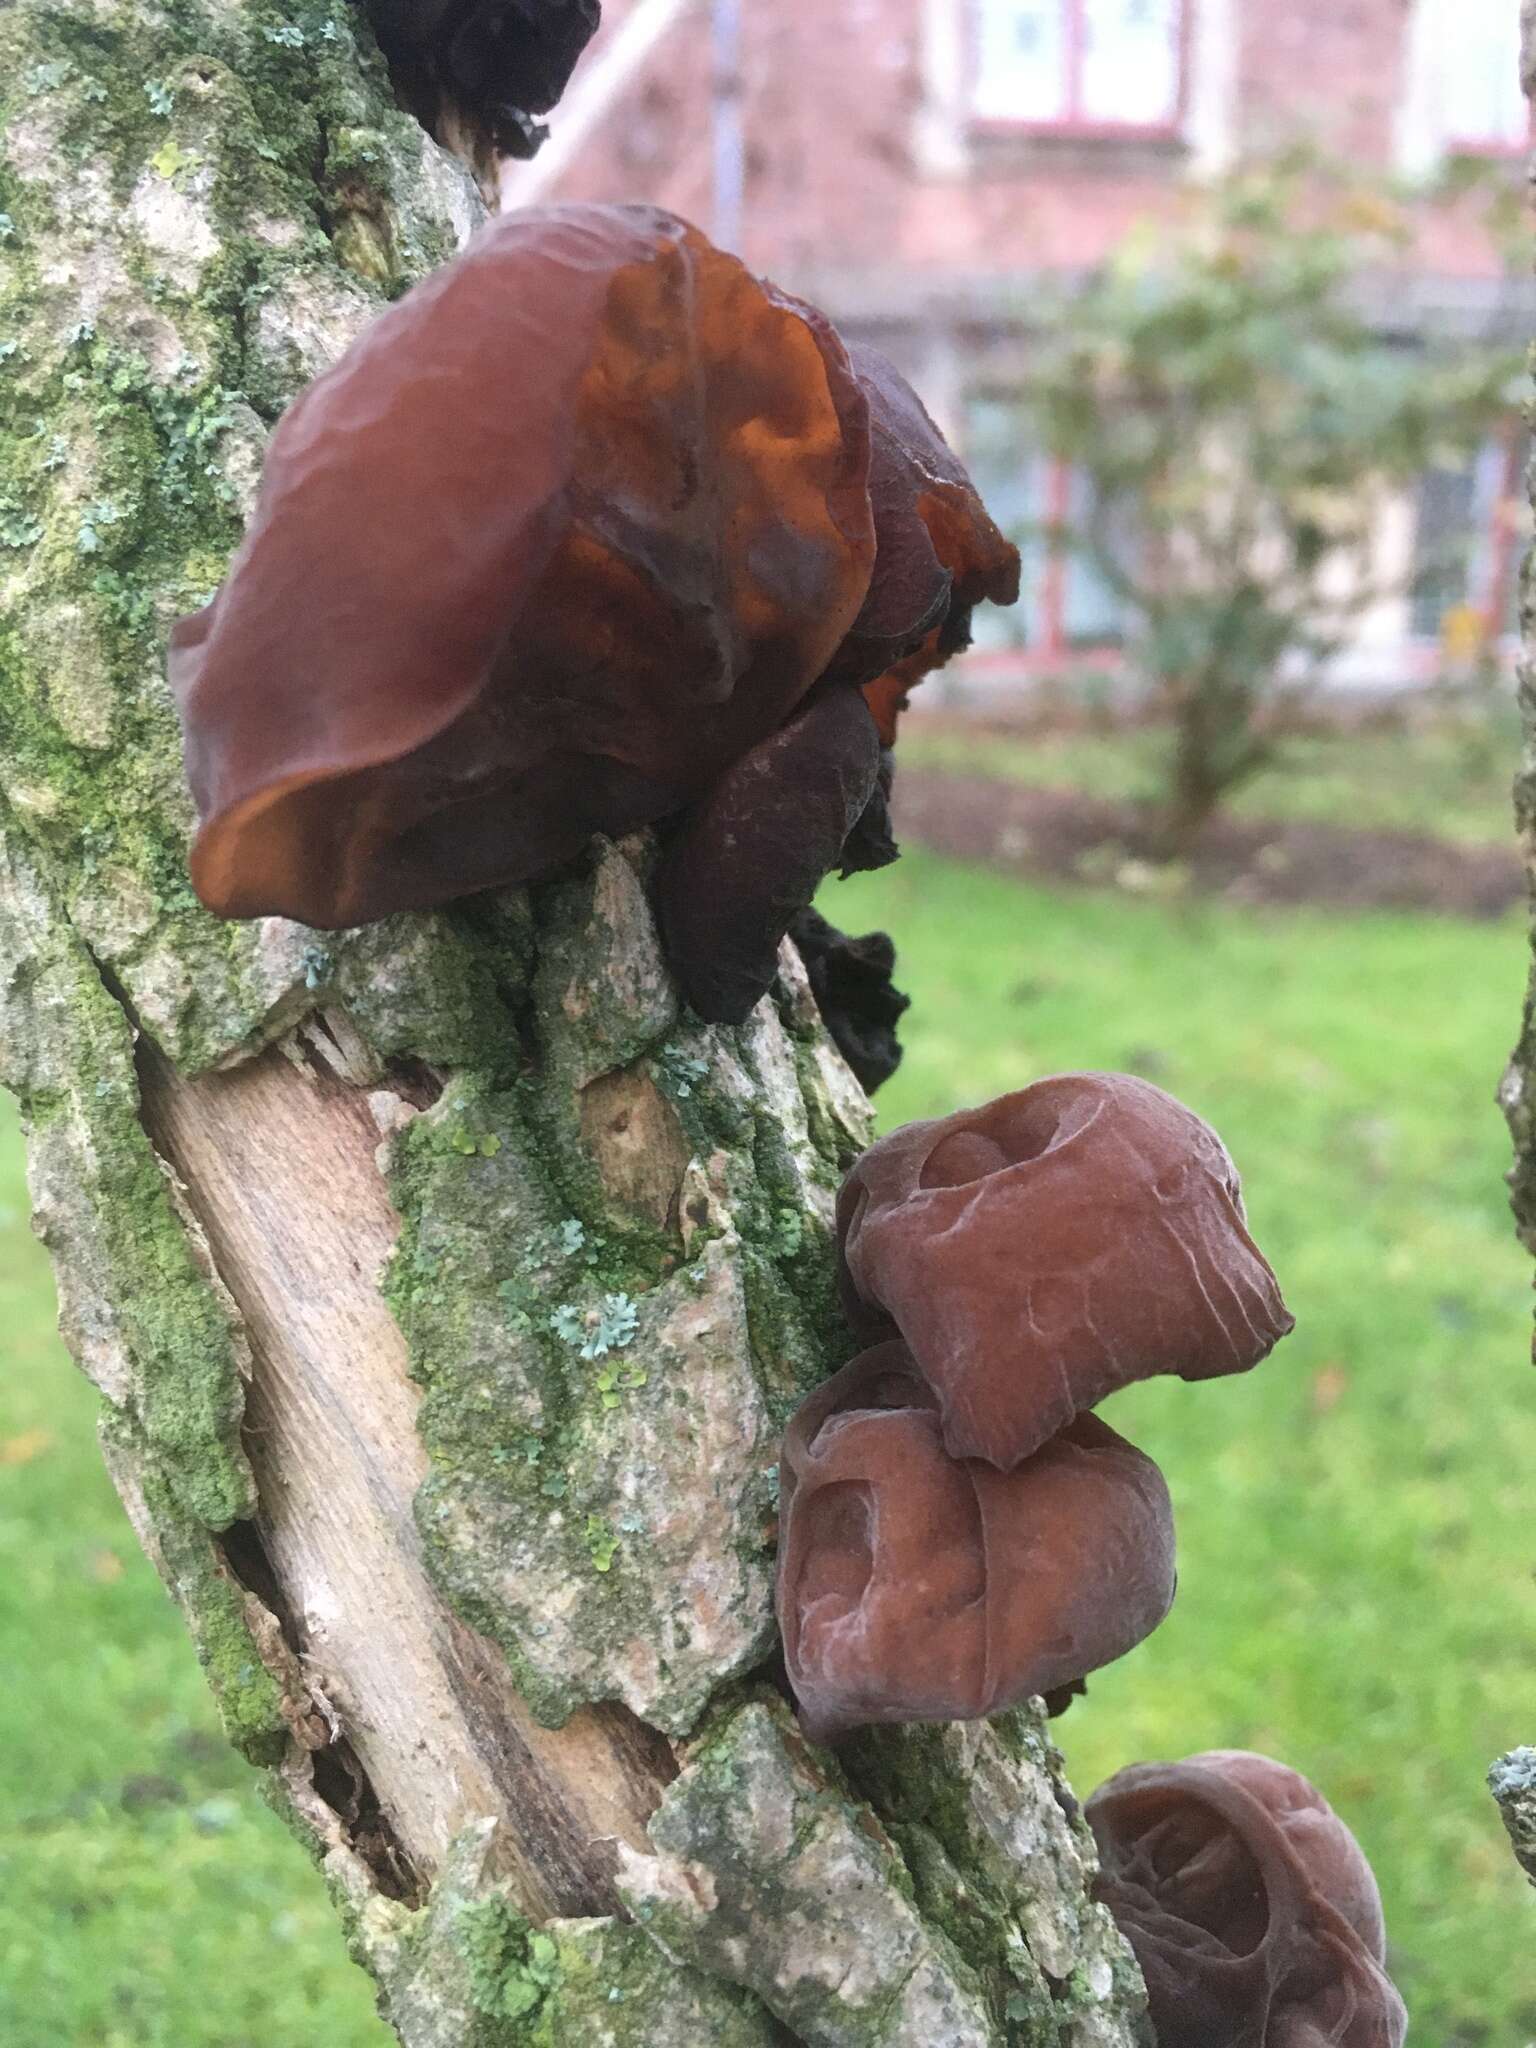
(914, 1586)
(1051, 1247)
(1250, 1906)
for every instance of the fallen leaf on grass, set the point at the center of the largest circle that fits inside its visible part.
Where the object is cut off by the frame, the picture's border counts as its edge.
(21, 1450)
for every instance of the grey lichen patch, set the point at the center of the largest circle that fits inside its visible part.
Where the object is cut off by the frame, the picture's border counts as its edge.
(767, 1874)
(1512, 1781)
(176, 184)
(600, 1499)
(990, 1800)
(468, 1971)
(139, 1309)
(603, 991)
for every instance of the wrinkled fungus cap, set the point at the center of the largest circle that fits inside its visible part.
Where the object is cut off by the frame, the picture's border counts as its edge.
(1251, 1909)
(1051, 1247)
(568, 529)
(918, 1587)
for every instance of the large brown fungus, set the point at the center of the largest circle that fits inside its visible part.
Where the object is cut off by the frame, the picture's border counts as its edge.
(564, 533)
(580, 535)
(1046, 1249)
(1251, 1909)
(914, 1586)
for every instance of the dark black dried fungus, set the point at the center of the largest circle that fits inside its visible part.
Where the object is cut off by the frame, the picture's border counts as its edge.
(851, 981)
(1252, 1911)
(1057, 1702)
(496, 63)
(752, 854)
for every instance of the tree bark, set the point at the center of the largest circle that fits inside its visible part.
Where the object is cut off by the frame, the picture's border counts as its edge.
(445, 1283)
(1512, 1777)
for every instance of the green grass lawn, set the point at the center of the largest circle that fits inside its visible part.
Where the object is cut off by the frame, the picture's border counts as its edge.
(1357, 1540)
(1450, 776)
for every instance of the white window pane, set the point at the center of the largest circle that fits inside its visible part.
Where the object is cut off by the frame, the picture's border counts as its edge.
(1479, 68)
(1130, 61)
(1021, 60)
(1010, 475)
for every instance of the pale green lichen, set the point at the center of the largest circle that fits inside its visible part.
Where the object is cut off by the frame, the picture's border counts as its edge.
(163, 1349)
(469, 1971)
(214, 260)
(602, 1386)
(768, 1874)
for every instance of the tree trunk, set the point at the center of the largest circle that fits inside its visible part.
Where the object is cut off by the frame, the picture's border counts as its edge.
(445, 1283)
(1512, 1779)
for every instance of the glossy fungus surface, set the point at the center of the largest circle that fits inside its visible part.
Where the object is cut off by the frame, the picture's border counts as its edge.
(592, 530)
(1046, 1249)
(914, 1586)
(569, 529)
(1252, 1911)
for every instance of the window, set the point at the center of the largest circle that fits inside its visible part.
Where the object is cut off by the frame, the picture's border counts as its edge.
(1065, 603)
(1482, 106)
(1462, 93)
(1079, 64)
(1467, 539)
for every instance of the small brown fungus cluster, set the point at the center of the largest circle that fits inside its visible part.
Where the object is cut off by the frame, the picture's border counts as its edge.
(980, 1586)
(1252, 1911)
(1044, 1251)
(959, 1531)
(593, 529)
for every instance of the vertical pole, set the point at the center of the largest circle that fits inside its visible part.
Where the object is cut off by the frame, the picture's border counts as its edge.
(727, 125)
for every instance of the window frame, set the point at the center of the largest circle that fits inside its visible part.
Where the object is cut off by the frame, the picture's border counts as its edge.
(1489, 593)
(1073, 123)
(1049, 646)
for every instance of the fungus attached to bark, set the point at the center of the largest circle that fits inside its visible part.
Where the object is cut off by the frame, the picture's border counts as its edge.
(496, 63)
(1251, 1909)
(569, 530)
(914, 1586)
(753, 852)
(859, 1004)
(577, 537)
(1046, 1249)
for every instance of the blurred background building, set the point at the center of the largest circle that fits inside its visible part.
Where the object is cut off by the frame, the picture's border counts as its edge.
(923, 168)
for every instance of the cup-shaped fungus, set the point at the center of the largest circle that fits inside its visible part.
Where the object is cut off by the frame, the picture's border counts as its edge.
(571, 533)
(914, 1586)
(1046, 1249)
(568, 529)
(1252, 1911)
